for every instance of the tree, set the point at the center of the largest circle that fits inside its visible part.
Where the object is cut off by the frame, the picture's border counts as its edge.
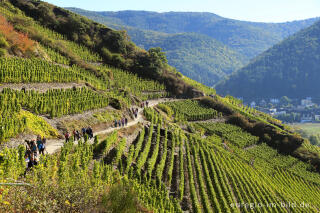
(157, 59)
(285, 101)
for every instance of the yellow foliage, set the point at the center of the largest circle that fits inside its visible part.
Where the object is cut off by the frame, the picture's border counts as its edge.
(38, 125)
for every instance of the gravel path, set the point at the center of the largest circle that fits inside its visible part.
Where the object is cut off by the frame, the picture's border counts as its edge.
(41, 87)
(54, 145)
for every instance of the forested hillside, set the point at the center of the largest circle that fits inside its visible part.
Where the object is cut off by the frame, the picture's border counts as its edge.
(212, 46)
(290, 68)
(248, 38)
(89, 122)
(197, 56)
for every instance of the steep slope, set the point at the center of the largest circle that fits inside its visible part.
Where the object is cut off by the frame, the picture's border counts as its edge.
(289, 68)
(113, 46)
(32, 53)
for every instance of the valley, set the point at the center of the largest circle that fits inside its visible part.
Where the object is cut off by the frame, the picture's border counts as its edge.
(150, 139)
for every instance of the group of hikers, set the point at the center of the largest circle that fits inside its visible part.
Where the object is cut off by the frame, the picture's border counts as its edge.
(134, 112)
(144, 104)
(77, 135)
(34, 147)
(121, 123)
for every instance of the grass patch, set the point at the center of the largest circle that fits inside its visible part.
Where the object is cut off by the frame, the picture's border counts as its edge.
(107, 116)
(100, 117)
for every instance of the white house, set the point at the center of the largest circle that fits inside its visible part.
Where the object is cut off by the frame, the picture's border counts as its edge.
(317, 117)
(306, 117)
(307, 102)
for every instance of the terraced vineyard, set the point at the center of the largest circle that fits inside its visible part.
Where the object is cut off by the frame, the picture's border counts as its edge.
(231, 133)
(205, 177)
(71, 164)
(59, 67)
(192, 110)
(17, 70)
(222, 161)
(268, 160)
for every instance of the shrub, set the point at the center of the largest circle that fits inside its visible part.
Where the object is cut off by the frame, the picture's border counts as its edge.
(2, 52)
(18, 40)
(106, 54)
(121, 198)
(217, 105)
(239, 120)
(166, 109)
(3, 42)
(118, 60)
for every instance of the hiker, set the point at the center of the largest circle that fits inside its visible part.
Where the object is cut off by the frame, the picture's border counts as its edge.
(115, 123)
(28, 144)
(31, 161)
(147, 103)
(122, 122)
(38, 139)
(90, 132)
(83, 131)
(126, 121)
(43, 146)
(78, 135)
(67, 136)
(135, 112)
(34, 147)
(39, 142)
(119, 123)
(74, 135)
(27, 154)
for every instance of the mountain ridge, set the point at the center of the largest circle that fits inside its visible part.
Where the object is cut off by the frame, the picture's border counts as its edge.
(204, 26)
(245, 39)
(290, 67)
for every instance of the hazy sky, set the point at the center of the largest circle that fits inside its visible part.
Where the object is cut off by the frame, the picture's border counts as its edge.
(249, 10)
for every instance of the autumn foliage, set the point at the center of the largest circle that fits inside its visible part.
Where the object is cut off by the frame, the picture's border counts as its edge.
(17, 40)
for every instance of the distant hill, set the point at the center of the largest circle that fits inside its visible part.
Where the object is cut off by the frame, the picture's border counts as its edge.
(290, 68)
(216, 46)
(197, 56)
(248, 38)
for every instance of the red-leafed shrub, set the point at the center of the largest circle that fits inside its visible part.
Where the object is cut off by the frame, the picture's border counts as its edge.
(17, 40)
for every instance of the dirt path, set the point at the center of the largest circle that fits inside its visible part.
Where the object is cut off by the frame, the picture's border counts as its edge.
(250, 147)
(213, 120)
(54, 145)
(41, 87)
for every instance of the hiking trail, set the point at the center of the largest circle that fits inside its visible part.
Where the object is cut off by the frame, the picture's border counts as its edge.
(54, 145)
